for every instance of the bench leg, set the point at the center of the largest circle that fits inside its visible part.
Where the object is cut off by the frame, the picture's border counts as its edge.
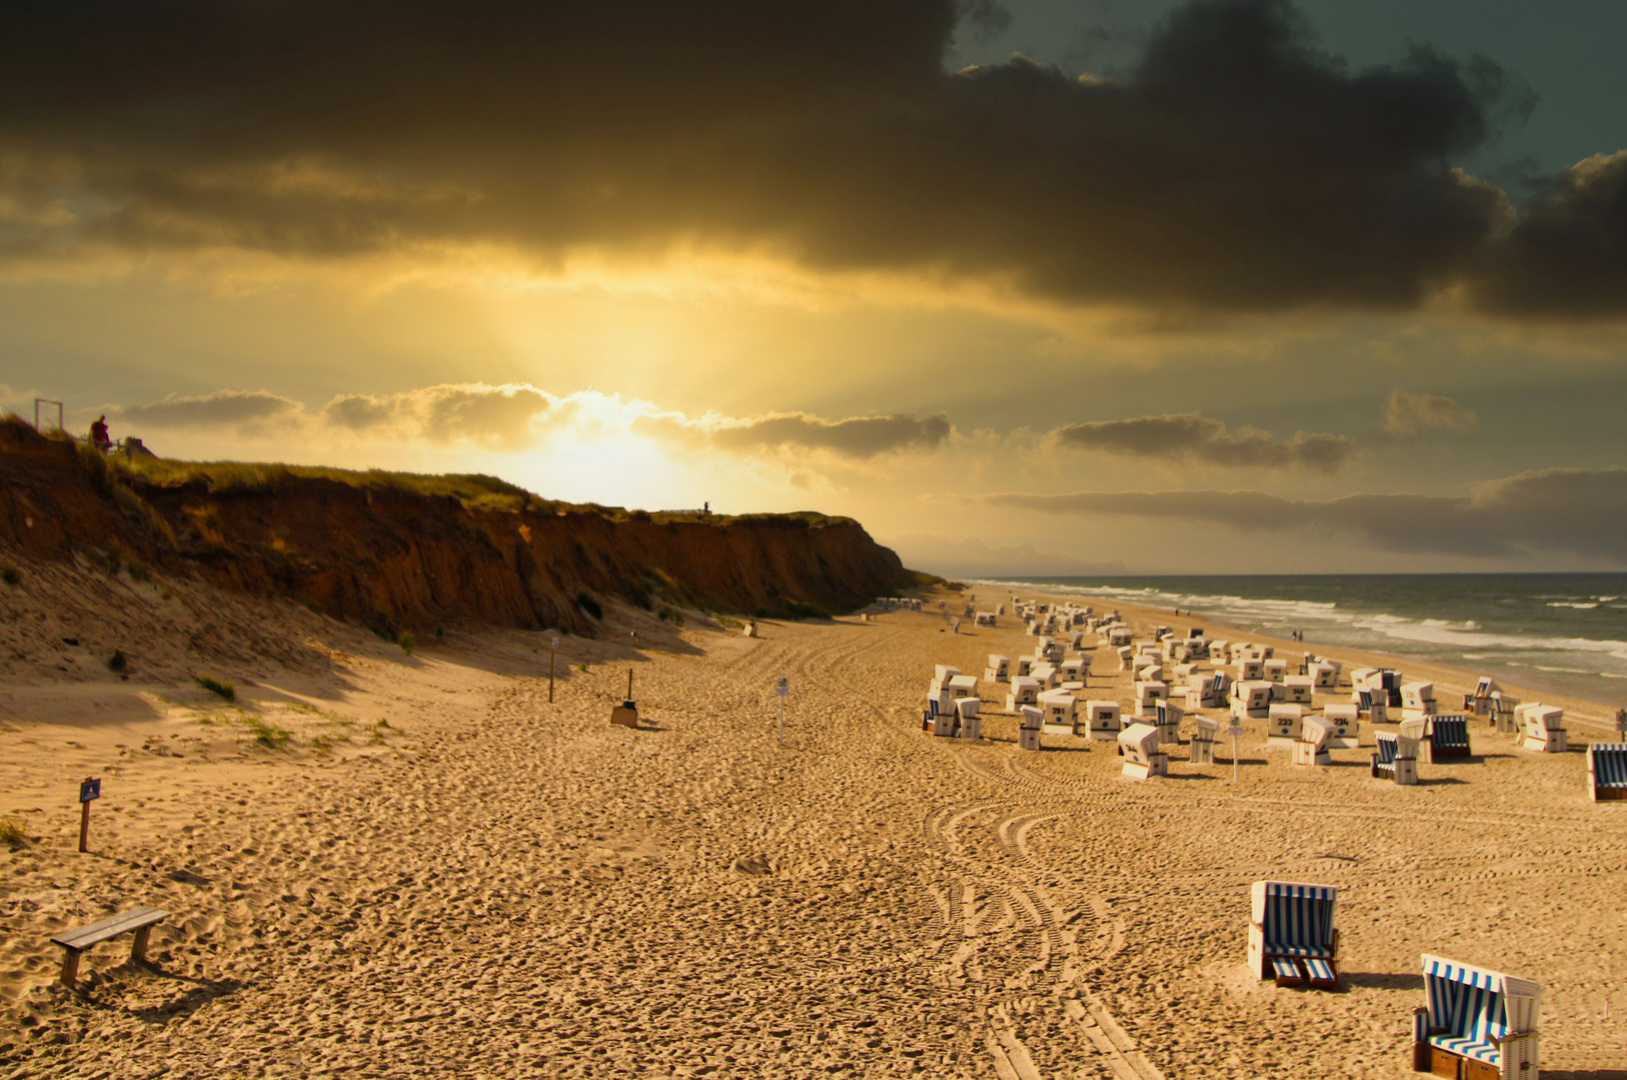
(70, 966)
(138, 948)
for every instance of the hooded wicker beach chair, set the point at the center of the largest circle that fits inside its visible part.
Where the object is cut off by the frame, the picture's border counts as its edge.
(1384, 758)
(1291, 934)
(1475, 1024)
(1448, 737)
(1142, 758)
(1607, 771)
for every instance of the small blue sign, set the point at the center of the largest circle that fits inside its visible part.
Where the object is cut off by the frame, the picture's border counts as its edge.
(90, 789)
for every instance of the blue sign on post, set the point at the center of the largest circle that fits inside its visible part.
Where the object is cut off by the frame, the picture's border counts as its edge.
(90, 789)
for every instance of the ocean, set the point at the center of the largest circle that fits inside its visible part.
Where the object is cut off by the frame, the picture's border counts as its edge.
(1566, 633)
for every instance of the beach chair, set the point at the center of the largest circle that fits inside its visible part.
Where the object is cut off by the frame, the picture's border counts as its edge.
(1150, 673)
(1312, 746)
(1503, 707)
(1410, 748)
(1275, 671)
(1167, 719)
(1543, 727)
(1251, 699)
(1148, 695)
(1201, 750)
(1374, 704)
(1384, 756)
(1025, 665)
(1346, 723)
(1250, 670)
(1058, 707)
(1284, 724)
(1418, 701)
(1030, 728)
(970, 723)
(1025, 690)
(1047, 675)
(962, 686)
(1475, 1024)
(1101, 720)
(1607, 771)
(1297, 689)
(1142, 758)
(999, 669)
(1291, 934)
(1324, 674)
(1448, 738)
(1478, 703)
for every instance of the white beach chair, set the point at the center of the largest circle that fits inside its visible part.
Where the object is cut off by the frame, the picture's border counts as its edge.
(1476, 1024)
(1142, 758)
(1297, 689)
(1275, 670)
(971, 724)
(1543, 728)
(1150, 673)
(1031, 727)
(1346, 721)
(1047, 674)
(1148, 695)
(1325, 674)
(962, 686)
(1418, 700)
(999, 669)
(943, 673)
(1025, 665)
(1312, 747)
(1058, 707)
(1251, 699)
(1025, 690)
(1101, 720)
(1201, 750)
(1291, 934)
(1250, 670)
(1410, 746)
(1167, 719)
(1503, 707)
(1284, 724)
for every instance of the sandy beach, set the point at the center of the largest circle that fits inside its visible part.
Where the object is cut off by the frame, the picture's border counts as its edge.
(392, 865)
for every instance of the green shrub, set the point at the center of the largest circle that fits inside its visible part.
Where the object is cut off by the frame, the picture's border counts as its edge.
(407, 642)
(223, 689)
(676, 618)
(118, 662)
(587, 603)
(266, 735)
(11, 834)
(11, 575)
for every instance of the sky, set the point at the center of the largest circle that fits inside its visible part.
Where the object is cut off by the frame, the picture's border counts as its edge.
(1078, 286)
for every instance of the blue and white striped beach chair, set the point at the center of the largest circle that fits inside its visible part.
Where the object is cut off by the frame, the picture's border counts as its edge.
(1448, 737)
(1291, 936)
(1475, 1024)
(1384, 760)
(1607, 771)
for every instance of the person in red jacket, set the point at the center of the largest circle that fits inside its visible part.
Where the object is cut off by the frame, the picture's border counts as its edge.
(98, 434)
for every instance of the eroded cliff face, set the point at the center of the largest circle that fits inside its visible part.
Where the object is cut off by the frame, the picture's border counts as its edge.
(401, 559)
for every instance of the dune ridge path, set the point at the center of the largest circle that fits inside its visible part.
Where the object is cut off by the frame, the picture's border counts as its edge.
(518, 889)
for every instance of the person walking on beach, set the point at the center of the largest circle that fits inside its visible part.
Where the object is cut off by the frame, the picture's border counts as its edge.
(98, 434)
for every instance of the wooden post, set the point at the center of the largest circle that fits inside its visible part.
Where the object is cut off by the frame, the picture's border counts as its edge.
(629, 684)
(84, 826)
(553, 647)
(70, 967)
(138, 948)
(90, 788)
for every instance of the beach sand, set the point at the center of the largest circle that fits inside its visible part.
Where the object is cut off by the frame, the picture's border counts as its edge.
(493, 886)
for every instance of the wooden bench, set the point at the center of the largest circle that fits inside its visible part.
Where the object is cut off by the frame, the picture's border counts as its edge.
(138, 920)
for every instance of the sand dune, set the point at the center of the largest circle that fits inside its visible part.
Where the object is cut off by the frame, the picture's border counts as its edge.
(493, 886)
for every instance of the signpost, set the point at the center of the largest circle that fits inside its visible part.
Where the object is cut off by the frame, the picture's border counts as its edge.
(1234, 731)
(782, 690)
(90, 788)
(553, 648)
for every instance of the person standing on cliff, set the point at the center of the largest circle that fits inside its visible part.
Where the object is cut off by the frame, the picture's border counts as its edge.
(98, 434)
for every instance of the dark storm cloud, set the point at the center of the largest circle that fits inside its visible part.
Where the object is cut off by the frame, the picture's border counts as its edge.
(859, 437)
(1192, 437)
(1566, 510)
(1568, 251)
(1235, 168)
